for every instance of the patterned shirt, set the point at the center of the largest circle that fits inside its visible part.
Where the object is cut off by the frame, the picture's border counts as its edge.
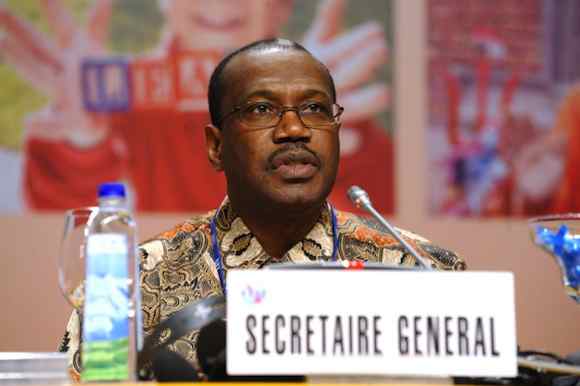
(178, 268)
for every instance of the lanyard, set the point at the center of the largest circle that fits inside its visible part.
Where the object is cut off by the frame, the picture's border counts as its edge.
(217, 254)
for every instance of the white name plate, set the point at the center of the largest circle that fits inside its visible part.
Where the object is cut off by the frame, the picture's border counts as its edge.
(371, 322)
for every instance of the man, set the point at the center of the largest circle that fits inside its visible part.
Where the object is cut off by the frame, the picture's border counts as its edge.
(274, 134)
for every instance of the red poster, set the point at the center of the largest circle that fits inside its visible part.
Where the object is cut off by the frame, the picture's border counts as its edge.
(117, 91)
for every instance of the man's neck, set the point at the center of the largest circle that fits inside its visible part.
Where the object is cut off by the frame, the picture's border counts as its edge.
(277, 229)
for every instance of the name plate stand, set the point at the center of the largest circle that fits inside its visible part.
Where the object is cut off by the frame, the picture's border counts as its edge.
(373, 322)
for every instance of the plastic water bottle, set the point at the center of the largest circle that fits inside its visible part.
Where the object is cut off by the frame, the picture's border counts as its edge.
(111, 327)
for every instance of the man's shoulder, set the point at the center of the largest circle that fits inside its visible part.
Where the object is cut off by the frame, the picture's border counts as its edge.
(365, 227)
(361, 235)
(186, 240)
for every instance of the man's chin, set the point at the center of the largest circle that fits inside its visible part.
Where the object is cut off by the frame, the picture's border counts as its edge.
(296, 196)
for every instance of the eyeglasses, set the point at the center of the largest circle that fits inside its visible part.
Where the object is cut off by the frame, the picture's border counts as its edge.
(264, 115)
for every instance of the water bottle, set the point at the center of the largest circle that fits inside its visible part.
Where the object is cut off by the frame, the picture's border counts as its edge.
(111, 324)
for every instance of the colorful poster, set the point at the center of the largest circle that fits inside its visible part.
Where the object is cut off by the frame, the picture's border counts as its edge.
(101, 90)
(504, 107)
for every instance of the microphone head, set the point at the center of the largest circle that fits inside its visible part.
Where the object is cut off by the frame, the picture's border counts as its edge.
(358, 196)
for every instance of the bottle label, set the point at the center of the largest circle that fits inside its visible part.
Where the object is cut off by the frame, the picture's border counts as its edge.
(105, 327)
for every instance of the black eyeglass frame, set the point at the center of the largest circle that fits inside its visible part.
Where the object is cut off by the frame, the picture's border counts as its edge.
(282, 110)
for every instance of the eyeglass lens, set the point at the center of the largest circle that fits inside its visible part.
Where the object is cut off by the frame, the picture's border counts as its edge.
(268, 115)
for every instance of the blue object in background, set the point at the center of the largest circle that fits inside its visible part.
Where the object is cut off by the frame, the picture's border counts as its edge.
(565, 246)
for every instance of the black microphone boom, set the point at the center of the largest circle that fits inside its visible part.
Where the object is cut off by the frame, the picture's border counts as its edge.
(361, 199)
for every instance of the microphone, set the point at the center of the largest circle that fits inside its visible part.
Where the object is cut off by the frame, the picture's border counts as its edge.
(169, 366)
(362, 200)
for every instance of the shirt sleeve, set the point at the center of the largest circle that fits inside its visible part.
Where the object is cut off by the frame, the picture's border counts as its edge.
(70, 344)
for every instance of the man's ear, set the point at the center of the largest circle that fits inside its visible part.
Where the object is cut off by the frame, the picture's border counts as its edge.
(214, 146)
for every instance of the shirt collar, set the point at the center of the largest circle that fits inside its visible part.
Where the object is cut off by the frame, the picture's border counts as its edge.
(240, 248)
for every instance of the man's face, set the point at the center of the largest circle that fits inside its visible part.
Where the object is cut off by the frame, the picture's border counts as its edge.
(224, 24)
(289, 164)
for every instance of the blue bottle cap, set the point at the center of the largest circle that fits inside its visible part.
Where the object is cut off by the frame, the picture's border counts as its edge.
(112, 189)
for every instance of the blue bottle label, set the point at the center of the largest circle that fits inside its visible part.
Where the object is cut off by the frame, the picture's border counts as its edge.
(105, 327)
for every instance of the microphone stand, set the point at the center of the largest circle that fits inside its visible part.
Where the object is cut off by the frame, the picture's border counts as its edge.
(361, 199)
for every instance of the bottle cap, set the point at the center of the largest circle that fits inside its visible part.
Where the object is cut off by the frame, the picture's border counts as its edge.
(112, 189)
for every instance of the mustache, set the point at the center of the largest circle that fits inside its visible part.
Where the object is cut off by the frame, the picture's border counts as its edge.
(293, 152)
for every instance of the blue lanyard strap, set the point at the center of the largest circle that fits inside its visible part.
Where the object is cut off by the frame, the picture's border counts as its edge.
(217, 254)
(334, 224)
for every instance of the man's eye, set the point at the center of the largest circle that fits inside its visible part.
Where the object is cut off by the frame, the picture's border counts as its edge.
(260, 108)
(315, 108)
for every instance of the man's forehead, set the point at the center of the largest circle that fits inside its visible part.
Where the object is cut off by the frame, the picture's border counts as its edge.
(254, 71)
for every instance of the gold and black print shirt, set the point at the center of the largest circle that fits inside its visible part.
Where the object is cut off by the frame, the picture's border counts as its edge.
(177, 266)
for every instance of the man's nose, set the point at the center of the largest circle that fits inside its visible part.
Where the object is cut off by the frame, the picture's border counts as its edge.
(291, 128)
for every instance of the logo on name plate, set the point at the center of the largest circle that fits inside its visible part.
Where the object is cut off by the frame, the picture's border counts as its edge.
(253, 296)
